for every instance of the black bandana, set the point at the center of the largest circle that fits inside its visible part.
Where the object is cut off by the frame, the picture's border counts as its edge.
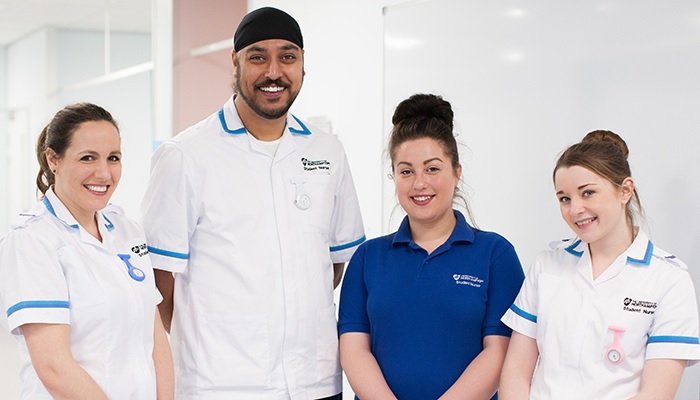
(267, 23)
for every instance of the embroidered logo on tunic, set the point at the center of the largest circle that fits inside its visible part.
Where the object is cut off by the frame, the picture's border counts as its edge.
(638, 306)
(467, 280)
(141, 249)
(313, 165)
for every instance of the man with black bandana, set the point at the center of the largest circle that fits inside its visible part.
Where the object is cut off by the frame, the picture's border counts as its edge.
(250, 216)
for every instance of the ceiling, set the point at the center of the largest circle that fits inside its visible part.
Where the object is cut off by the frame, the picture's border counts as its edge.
(19, 18)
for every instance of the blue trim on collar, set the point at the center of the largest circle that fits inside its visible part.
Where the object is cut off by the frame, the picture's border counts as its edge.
(109, 225)
(226, 128)
(647, 256)
(303, 131)
(49, 207)
(571, 248)
(349, 245)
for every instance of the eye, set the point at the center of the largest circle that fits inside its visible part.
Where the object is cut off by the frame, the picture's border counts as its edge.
(289, 58)
(405, 172)
(588, 193)
(564, 199)
(87, 158)
(433, 169)
(256, 58)
(114, 158)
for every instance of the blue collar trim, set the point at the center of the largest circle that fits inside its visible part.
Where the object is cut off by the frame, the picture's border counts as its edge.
(49, 207)
(303, 131)
(647, 256)
(571, 249)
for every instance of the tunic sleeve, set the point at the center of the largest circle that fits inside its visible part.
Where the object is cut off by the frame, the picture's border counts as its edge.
(33, 287)
(347, 231)
(522, 314)
(674, 331)
(169, 213)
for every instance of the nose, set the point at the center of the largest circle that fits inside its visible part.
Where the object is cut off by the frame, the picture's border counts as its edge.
(273, 69)
(102, 171)
(575, 207)
(420, 182)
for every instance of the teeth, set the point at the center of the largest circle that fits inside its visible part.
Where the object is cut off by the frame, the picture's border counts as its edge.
(100, 189)
(421, 198)
(585, 222)
(272, 89)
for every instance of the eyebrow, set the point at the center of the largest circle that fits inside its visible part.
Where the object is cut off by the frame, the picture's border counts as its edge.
(578, 188)
(261, 49)
(428, 161)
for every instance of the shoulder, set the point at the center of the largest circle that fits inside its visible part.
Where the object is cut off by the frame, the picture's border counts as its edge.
(663, 259)
(115, 215)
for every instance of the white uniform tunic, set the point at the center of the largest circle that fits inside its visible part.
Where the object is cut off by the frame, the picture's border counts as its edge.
(646, 291)
(251, 238)
(53, 271)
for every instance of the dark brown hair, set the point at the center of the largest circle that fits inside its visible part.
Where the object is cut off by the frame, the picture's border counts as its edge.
(604, 153)
(58, 133)
(426, 116)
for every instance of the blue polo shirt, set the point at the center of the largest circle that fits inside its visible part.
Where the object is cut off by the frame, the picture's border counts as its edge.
(428, 314)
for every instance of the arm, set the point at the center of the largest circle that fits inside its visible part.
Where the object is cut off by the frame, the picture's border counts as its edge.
(518, 367)
(361, 368)
(480, 379)
(165, 283)
(49, 349)
(337, 273)
(660, 379)
(163, 361)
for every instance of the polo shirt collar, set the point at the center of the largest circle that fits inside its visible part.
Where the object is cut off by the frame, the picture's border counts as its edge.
(462, 232)
(231, 123)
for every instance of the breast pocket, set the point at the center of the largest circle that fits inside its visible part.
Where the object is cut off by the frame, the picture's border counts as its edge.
(314, 199)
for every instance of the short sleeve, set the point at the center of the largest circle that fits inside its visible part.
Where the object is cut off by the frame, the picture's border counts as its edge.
(674, 332)
(506, 277)
(347, 230)
(168, 212)
(521, 316)
(33, 287)
(352, 313)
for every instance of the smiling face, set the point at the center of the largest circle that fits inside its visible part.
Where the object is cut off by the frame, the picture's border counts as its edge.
(425, 181)
(268, 76)
(592, 206)
(88, 172)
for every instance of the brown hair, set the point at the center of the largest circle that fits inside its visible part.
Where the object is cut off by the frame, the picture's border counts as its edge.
(604, 153)
(426, 116)
(58, 133)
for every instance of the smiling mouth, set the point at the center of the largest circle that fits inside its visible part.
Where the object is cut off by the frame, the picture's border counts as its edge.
(585, 221)
(96, 188)
(271, 89)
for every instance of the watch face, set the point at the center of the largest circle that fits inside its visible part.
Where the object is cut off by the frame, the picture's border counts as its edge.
(614, 356)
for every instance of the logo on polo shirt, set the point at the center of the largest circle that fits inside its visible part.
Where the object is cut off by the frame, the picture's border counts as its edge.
(467, 280)
(141, 249)
(313, 165)
(638, 306)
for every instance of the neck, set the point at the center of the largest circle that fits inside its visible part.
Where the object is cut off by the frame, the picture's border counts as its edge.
(430, 236)
(261, 128)
(605, 252)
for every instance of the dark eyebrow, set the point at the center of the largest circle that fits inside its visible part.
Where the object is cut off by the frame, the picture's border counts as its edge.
(261, 49)
(431, 160)
(578, 188)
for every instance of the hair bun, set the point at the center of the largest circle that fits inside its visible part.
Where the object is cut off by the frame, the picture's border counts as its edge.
(424, 106)
(607, 136)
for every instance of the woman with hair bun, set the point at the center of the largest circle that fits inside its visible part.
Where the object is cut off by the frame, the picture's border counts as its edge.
(77, 285)
(420, 308)
(606, 315)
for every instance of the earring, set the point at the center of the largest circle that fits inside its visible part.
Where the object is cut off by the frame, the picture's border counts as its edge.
(53, 171)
